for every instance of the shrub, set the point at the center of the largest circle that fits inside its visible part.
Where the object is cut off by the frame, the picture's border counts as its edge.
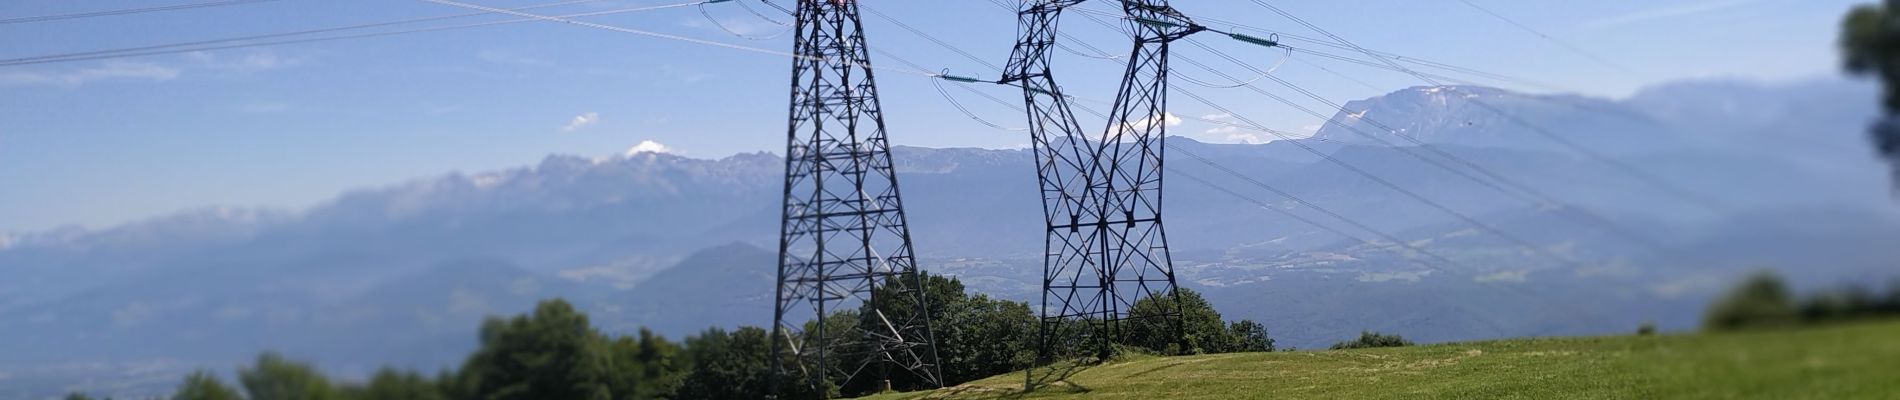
(1370, 339)
(1646, 329)
(1760, 301)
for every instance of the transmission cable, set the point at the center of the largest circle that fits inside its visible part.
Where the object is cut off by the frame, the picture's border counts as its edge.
(722, 26)
(1519, 241)
(1538, 197)
(129, 11)
(929, 37)
(1640, 174)
(1328, 43)
(1547, 37)
(679, 38)
(144, 50)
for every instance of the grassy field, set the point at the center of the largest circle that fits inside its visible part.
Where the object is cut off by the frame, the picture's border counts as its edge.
(1838, 362)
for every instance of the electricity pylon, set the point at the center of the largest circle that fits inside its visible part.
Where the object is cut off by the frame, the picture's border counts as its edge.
(850, 298)
(1105, 247)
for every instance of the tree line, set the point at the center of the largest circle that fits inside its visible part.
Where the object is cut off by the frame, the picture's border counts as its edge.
(1763, 300)
(554, 352)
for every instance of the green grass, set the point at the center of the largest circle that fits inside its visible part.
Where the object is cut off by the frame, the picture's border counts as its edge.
(1835, 362)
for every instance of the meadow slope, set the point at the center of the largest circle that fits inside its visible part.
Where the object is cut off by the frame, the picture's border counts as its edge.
(1835, 362)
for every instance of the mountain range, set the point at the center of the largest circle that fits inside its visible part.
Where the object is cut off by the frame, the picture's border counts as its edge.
(1677, 190)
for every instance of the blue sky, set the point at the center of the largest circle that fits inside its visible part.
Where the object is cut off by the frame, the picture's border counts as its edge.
(100, 142)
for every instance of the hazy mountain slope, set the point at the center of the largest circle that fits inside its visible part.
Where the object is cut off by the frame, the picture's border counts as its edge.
(681, 244)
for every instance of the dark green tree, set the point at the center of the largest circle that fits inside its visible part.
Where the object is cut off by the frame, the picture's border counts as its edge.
(1370, 340)
(646, 366)
(732, 365)
(1761, 300)
(1249, 337)
(981, 337)
(976, 337)
(390, 384)
(202, 385)
(1870, 45)
(1202, 330)
(551, 354)
(1844, 303)
(273, 377)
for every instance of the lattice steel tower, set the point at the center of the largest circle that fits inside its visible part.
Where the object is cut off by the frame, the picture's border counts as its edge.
(844, 244)
(1105, 246)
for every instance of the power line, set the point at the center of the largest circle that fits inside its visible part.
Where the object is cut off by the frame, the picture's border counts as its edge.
(1640, 174)
(673, 37)
(722, 26)
(1376, 54)
(1559, 42)
(129, 11)
(926, 36)
(1526, 244)
(143, 50)
(1467, 219)
(1538, 197)
(1396, 242)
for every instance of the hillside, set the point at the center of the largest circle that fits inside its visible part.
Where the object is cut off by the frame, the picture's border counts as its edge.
(1852, 361)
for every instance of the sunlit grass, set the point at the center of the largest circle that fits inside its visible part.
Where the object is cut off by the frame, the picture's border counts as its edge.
(1836, 362)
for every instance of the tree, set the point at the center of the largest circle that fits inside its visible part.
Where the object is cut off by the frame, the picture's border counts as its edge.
(730, 366)
(1249, 337)
(1844, 303)
(646, 367)
(390, 384)
(976, 337)
(1761, 300)
(981, 337)
(1870, 45)
(552, 354)
(1370, 340)
(275, 378)
(1202, 331)
(202, 385)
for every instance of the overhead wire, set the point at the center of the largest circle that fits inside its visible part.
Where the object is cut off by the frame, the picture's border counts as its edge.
(1415, 196)
(933, 39)
(755, 12)
(1490, 179)
(128, 11)
(1327, 43)
(1552, 39)
(722, 25)
(1624, 167)
(679, 38)
(1311, 205)
(154, 49)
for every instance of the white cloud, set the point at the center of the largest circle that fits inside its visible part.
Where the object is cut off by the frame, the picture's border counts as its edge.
(1667, 12)
(648, 146)
(1506, 276)
(1393, 276)
(1166, 119)
(248, 63)
(108, 70)
(582, 121)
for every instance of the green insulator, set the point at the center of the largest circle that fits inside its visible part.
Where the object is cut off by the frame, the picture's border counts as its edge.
(1158, 23)
(954, 78)
(1255, 40)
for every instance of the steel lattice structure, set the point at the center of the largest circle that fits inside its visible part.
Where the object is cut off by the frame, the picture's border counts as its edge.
(844, 244)
(1105, 244)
